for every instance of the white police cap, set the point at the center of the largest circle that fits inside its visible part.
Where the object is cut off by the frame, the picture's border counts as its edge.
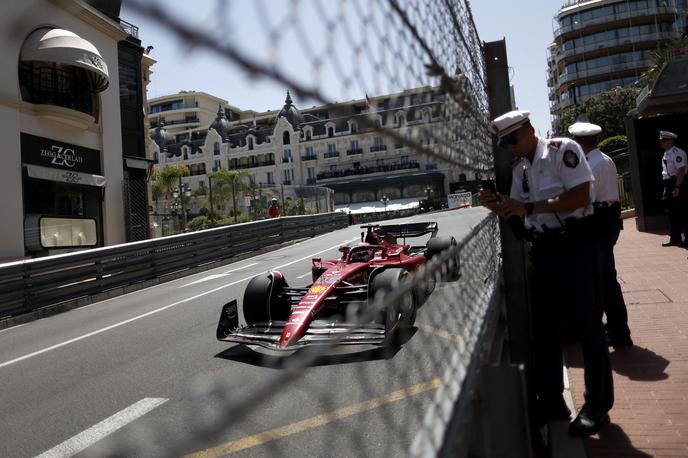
(508, 122)
(667, 134)
(584, 129)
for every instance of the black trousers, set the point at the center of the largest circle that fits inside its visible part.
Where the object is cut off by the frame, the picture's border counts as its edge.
(613, 302)
(566, 288)
(677, 208)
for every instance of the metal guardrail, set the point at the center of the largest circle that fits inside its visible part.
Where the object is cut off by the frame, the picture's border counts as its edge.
(26, 286)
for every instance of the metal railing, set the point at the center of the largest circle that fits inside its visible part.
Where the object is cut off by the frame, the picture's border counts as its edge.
(580, 25)
(82, 277)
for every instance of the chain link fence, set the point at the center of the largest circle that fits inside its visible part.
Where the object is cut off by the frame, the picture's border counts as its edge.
(406, 397)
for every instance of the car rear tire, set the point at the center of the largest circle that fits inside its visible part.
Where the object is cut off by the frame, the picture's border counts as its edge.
(264, 301)
(404, 312)
(435, 246)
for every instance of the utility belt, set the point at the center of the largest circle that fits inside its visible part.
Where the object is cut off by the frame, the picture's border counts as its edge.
(607, 210)
(574, 229)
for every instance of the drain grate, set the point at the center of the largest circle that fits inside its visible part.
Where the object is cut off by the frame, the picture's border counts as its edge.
(647, 296)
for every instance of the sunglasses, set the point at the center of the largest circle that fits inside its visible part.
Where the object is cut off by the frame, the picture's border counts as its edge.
(509, 139)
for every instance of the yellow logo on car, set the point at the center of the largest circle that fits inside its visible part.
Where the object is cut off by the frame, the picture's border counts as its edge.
(318, 289)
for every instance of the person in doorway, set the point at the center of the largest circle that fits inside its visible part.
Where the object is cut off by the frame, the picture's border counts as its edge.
(675, 189)
(608, 211)
(550, 191)
(273, 209)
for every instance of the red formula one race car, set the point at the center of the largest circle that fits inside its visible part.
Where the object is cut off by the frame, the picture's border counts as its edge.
(280, 317)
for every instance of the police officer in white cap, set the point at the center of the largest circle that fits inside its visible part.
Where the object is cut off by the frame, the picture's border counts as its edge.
(608, 211)
(675, 188)
(551, 191)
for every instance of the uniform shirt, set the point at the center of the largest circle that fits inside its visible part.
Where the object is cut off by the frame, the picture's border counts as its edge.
(549, 176)
(674, 158)
(603, 168)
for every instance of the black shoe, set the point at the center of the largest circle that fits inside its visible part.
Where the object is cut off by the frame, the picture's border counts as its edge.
(588, 422)
(671, 243)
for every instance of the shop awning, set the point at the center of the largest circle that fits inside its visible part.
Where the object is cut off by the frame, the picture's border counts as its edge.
(65, 176)
(65, 47)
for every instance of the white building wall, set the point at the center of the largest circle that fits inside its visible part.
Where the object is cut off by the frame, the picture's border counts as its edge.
(17, 116)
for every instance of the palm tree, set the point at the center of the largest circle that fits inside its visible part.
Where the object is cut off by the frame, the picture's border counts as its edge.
(228, 182)
(662, 56)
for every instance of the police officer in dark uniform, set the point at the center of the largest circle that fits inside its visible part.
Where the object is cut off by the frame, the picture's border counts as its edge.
(551, 191)
(675, 188)
(608, 211)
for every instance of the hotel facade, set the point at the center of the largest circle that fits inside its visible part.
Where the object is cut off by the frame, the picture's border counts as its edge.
(331, 146)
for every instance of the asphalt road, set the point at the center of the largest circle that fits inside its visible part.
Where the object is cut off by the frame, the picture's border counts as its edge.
(141, 369)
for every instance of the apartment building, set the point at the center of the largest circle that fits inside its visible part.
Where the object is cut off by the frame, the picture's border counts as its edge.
(602, 44)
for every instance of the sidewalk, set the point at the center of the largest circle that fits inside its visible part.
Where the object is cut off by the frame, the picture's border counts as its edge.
(650, 415)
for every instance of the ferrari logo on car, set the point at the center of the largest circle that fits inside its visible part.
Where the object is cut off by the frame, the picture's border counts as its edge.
(317, 289)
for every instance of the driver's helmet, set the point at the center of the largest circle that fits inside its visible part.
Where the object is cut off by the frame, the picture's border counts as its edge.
(361, 256)
(372, 238)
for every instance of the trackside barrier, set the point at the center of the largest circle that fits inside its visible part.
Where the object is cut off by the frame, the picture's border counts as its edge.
(26, 286)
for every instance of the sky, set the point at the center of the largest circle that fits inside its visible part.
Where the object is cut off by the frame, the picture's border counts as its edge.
(309, 33)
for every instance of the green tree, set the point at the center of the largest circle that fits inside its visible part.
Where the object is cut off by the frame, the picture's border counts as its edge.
(615, 143)
(226, 184)
(609, 110)
(166, 179)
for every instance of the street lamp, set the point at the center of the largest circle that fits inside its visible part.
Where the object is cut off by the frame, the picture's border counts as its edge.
(182, 192)
(428, 191)
(384, 201)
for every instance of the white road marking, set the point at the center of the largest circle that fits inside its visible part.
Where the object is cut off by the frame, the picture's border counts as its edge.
(13, 327)
(241, 268)
(215, 276)
(86, 438)
(143, 315)
(204, 279)
(304, 275)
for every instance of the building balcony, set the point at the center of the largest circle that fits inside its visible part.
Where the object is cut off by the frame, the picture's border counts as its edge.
(308, 157)
(311, 181)
(367, 170)
(351, 152)
(252, 165)
(156, 110)
(176, 122)
(607, 69)
(601, 48)
(331, 154)
(375, 149)
(610, 18)
(287, 182)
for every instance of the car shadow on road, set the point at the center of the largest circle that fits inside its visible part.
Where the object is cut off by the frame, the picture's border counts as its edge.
(243, 354)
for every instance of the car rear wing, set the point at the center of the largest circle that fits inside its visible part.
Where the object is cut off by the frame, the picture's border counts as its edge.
(405, 230)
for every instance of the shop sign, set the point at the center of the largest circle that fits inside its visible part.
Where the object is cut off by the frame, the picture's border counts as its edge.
(459, 199)
(59, 155)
